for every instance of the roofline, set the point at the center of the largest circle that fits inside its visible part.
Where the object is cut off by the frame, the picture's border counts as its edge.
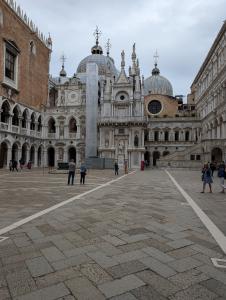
(211, 51)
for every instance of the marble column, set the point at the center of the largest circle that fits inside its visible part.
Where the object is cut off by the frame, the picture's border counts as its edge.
(91, 109)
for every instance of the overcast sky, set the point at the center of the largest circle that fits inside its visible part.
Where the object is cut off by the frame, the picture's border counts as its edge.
(182, 31)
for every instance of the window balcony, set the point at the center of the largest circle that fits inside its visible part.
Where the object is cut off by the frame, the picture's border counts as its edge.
(4, 126)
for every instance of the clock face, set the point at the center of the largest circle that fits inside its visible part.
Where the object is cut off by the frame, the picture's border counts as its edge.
(154, 107)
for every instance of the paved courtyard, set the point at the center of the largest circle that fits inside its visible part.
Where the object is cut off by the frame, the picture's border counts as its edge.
(135, 237)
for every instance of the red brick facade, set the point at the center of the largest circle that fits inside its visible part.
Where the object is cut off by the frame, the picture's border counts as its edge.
(33, 66)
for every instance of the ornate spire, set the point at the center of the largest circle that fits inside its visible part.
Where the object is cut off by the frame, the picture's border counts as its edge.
(97, 33)
(156, 71)
(49, 42)
(156, 57)
(123, 59)
(133, 56)
(122, 76)
(97, 49)
(108, 47)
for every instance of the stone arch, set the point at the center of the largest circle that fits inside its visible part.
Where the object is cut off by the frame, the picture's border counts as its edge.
(51, 156)
(72, 153)
(32, 154)
(187, 135)
(51, 125)
(40, 123)
(5, 113)
(25, 118)
(155, 155)
(147, 158)
(33, 120)
(15, 151)
(24, 153)
(72, 124)
(16, 115)
(4, 147)
(216, 154)
(40, 155)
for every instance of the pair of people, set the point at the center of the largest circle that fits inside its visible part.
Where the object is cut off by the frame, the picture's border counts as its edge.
(71, 173)
(207, 176)
(13, 165)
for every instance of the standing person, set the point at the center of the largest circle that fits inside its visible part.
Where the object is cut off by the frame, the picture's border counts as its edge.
(212, 167)
(221, 175)
(71, 172)
(206, 177)
(15, 165)
(82, 173)
(10, 165)
(116, 167)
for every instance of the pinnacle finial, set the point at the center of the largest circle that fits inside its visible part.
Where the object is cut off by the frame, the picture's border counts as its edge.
(97, 34)
(134, 52)
(63, 72)
(108, 47)
(123, 59)
(63, 59)
(156, 57)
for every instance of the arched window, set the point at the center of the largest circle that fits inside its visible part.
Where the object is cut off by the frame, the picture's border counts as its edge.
(72, 126)
(136, 141)
(51, 126)
(187, 135)
(15, 120)
(32, 125)
(5, 112)
(156, 136)
(24, 118)
(166, 135)
(39, 123)
(176, 135)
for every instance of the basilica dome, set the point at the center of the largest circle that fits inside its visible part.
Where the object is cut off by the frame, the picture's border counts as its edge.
(105, 64)
(157, 84)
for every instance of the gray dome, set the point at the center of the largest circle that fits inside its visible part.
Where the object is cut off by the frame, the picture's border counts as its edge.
(105, 64)
(157, 84)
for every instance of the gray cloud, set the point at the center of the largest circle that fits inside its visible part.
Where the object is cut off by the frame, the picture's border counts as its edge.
(181, 30)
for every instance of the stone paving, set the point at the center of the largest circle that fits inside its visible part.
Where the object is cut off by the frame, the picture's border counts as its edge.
(134, 239)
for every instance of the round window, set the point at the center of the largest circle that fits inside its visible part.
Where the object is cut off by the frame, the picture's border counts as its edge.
(122, 97)
(154, 107)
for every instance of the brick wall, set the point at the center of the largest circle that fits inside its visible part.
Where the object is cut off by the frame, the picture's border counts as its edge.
(33, 69)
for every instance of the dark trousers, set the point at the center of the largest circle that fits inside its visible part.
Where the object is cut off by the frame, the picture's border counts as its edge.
(71, 176)
(116, 171)
(82, 177)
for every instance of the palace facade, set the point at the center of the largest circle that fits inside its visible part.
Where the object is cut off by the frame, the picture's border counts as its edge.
(100, 111)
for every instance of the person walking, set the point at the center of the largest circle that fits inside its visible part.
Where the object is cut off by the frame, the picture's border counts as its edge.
(116, 167)
(71, 172)
(82, 173)
(221, 175)
(10, 165)
(206, 177)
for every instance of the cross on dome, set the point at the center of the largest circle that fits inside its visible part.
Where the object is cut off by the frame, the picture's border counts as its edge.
(156, 57)
(97, 34)
(108, 47)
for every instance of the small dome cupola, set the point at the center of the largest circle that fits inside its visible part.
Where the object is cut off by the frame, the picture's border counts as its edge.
(63, 73)
(155, 71)
(97, 49)
(157, 84)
